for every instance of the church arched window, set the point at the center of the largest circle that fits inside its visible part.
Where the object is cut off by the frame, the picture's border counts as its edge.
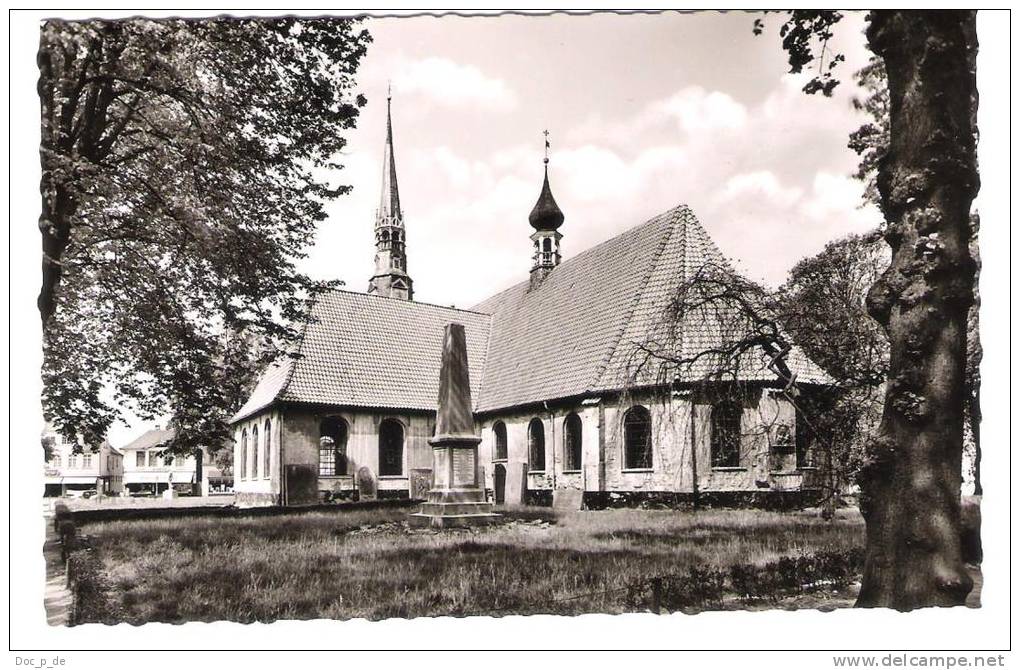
(255, 453)
(546, 245)
(726, 434)
(267, 449)
(572, 442)
(332, 447)
(243, 456)
(536, 445)
(637, 439)
(391, 448)
(499, 441)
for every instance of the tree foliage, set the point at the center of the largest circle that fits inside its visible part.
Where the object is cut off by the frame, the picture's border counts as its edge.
(185, 169)
(872, 138)
(822, 305)
(806, 35)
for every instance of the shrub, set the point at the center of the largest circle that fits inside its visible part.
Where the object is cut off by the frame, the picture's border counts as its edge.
(89, 588)
(801, 574)
(68, 537)
(60, 512)
(696, 589)
(753, 582)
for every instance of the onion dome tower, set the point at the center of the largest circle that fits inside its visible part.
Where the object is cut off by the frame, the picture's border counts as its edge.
(545, 218)
(391, 278)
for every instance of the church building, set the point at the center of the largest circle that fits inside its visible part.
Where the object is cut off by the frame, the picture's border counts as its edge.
(558, 401)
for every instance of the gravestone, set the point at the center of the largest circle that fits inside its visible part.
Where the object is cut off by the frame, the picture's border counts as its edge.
(366, 483)
(516, 483)
(567, 499)
(421, 483)
(301, 484)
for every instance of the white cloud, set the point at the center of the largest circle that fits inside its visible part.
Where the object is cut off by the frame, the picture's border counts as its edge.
(691, 110)
(448, 83)
(762, 183)
(698, 110)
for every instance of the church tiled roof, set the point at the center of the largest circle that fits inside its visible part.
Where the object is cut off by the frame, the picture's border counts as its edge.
(582, 329)
(369, 351)
(575, 333)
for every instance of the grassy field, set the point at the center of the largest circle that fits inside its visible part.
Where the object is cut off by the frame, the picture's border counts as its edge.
(369, 564)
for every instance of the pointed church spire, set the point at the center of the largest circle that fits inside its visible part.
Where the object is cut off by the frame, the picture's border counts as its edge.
(391, 278)
(389, 201)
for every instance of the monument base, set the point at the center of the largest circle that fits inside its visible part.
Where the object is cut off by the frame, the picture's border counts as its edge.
(454, 508)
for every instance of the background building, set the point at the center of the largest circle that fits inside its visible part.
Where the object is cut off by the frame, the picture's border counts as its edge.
(98, 468)
(148, 470)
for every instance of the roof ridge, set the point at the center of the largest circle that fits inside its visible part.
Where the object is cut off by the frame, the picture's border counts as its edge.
(685, 250)
(485, 366)
(636, 299)
(410, 302)
(291, 363)
(589, 250)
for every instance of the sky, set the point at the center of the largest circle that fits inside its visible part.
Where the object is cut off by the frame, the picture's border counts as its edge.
(644, 112)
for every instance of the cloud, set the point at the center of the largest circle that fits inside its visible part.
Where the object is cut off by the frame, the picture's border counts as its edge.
(691, 110)
(452, 84)
(696, 110)
(760, 184)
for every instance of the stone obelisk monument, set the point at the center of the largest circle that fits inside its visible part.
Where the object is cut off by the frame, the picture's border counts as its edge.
(457, 497)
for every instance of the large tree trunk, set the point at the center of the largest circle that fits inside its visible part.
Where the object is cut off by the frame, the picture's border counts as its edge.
(910, 486)
(56, 234)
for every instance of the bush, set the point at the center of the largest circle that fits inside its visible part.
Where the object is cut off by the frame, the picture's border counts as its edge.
(698, 588)
(801, 574)
(68, 534)
(60, 512)
(89, 588)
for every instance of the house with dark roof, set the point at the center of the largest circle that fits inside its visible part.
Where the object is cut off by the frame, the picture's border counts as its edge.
(149, 469)
(561, 399)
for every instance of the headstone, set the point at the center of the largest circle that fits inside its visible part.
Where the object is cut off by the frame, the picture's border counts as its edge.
(421, 483)
(301, 484)
(366, 483)
(516, 482)
(567, 499)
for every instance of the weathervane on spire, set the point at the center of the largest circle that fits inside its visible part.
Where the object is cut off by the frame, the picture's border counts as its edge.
(547, 145)
(389, 89)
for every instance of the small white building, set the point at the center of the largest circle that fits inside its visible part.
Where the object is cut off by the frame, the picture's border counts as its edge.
(148, 469)
(98, 468)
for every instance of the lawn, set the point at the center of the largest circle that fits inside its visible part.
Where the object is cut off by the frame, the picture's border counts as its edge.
(370, 564)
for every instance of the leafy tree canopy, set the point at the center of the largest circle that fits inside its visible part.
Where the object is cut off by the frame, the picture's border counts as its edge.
(185, 169)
